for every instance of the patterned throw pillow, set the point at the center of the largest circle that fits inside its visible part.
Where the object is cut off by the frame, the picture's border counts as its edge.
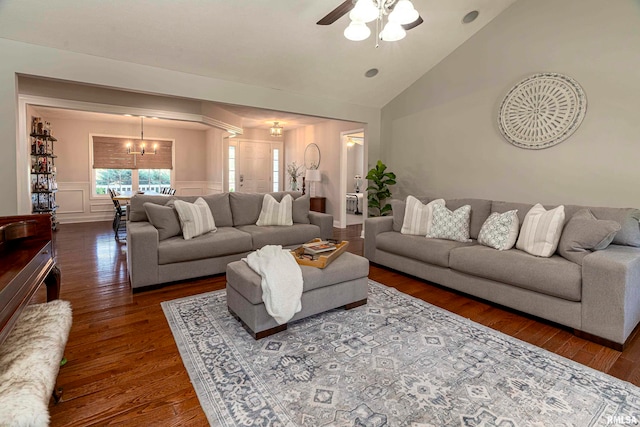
(418, 216)
(541, 231)
(500, 230)
(274, 213)
(195, 218)
(450, 225)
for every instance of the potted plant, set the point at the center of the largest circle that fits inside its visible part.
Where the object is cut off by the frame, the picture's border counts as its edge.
(294, 171)
(378, 190)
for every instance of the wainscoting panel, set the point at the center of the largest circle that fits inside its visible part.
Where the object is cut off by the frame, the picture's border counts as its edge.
(192, 188)
(71, 201)
(77, 205)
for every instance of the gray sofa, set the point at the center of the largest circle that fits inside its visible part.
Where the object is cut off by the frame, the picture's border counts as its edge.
(152, 259)
(599, 300)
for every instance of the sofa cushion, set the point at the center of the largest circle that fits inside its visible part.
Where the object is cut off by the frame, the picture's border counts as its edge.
(301, 207)
(195, 218)
(553, 276)
(432, 251)
(450, 225)
(500, 230)
(164, 219)
(136, 210)
(480, 210)
(541, 230)
(418, 216)
(225, 241)
(629, 234)
(585, 233)
(220, 209)
(398, 208)
(275, 213)
(245, 207)
(280, 235)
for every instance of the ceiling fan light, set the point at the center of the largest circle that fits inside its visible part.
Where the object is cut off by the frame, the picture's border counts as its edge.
(404, 13)
(364, 11)
(392, 32)
(357, 31)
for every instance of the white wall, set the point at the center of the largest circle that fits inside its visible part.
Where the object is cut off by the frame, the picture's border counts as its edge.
(441, 137)
(327, 136)
(27, 59)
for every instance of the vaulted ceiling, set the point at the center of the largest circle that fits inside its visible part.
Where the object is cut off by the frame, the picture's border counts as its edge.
(268, 43)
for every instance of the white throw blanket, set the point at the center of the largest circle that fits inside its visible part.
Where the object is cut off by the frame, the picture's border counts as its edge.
(281, 281)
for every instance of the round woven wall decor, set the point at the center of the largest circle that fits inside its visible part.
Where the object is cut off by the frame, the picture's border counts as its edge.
(542, 110)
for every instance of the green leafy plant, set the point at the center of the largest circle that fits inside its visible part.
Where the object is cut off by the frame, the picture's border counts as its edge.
(378, 190)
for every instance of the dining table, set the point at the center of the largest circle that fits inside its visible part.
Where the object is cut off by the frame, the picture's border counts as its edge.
(126, 196)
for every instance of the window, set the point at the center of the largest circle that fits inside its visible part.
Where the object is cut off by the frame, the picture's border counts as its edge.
(276, 169)
(116, 179)
(154, 179)
(114, 168)
(232, 168)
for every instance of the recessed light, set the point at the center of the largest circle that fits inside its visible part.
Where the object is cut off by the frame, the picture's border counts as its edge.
(470, 17)
(371, 73)
(127, 115)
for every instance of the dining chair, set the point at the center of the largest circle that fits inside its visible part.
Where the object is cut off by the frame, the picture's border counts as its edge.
(172, 191)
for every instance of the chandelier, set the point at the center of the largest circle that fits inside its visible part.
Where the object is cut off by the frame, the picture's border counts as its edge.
(276, 130)
(142, 148)
(398, 13)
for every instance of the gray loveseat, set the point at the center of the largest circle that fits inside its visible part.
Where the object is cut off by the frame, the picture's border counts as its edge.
(599, 299)
(153, 258)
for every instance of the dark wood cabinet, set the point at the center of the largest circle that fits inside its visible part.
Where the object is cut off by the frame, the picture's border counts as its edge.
(318, 204)
(26, 250)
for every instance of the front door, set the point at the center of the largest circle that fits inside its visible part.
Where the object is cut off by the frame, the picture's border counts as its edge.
(254, 167)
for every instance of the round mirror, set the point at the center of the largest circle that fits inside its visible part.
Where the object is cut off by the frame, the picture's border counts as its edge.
(312, 156)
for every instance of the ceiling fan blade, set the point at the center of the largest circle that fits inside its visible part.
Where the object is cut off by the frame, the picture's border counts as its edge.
(413, 24)
(336, 13)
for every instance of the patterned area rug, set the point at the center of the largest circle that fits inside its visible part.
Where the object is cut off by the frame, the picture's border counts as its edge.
(396, 361)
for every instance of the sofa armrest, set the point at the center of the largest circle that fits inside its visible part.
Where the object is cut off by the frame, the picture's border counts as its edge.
(324, 221)
(373, 227)
(142, 253)
(611, 292)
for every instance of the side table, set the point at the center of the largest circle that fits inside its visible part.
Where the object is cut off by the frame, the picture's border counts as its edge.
(318, 204)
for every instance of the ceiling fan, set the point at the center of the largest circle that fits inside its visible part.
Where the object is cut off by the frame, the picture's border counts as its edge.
(362, 11)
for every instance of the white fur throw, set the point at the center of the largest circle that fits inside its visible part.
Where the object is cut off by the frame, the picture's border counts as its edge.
(29, 363)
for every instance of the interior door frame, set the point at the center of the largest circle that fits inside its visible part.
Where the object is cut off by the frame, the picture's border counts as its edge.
(342, 217)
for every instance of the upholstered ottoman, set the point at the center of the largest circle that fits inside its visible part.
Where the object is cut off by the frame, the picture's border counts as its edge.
(343, 283)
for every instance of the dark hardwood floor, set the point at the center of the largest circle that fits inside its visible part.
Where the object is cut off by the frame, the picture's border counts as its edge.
(124, 367)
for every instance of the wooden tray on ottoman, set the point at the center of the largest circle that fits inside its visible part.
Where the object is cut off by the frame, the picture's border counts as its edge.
(323, 260)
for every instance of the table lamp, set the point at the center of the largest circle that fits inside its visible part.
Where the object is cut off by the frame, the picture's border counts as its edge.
(312, 176)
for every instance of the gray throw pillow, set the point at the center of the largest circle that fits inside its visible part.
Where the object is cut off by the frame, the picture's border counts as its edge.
(164, 219)
(585, 233)
(301, 207)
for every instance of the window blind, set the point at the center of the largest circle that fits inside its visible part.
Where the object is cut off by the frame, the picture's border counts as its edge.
(111, 153)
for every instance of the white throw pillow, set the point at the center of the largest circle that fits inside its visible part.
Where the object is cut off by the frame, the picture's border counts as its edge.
(195, 218)
(541, 231)
(500, 230)
(450, 225)
(418, 216)
(274, 213)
